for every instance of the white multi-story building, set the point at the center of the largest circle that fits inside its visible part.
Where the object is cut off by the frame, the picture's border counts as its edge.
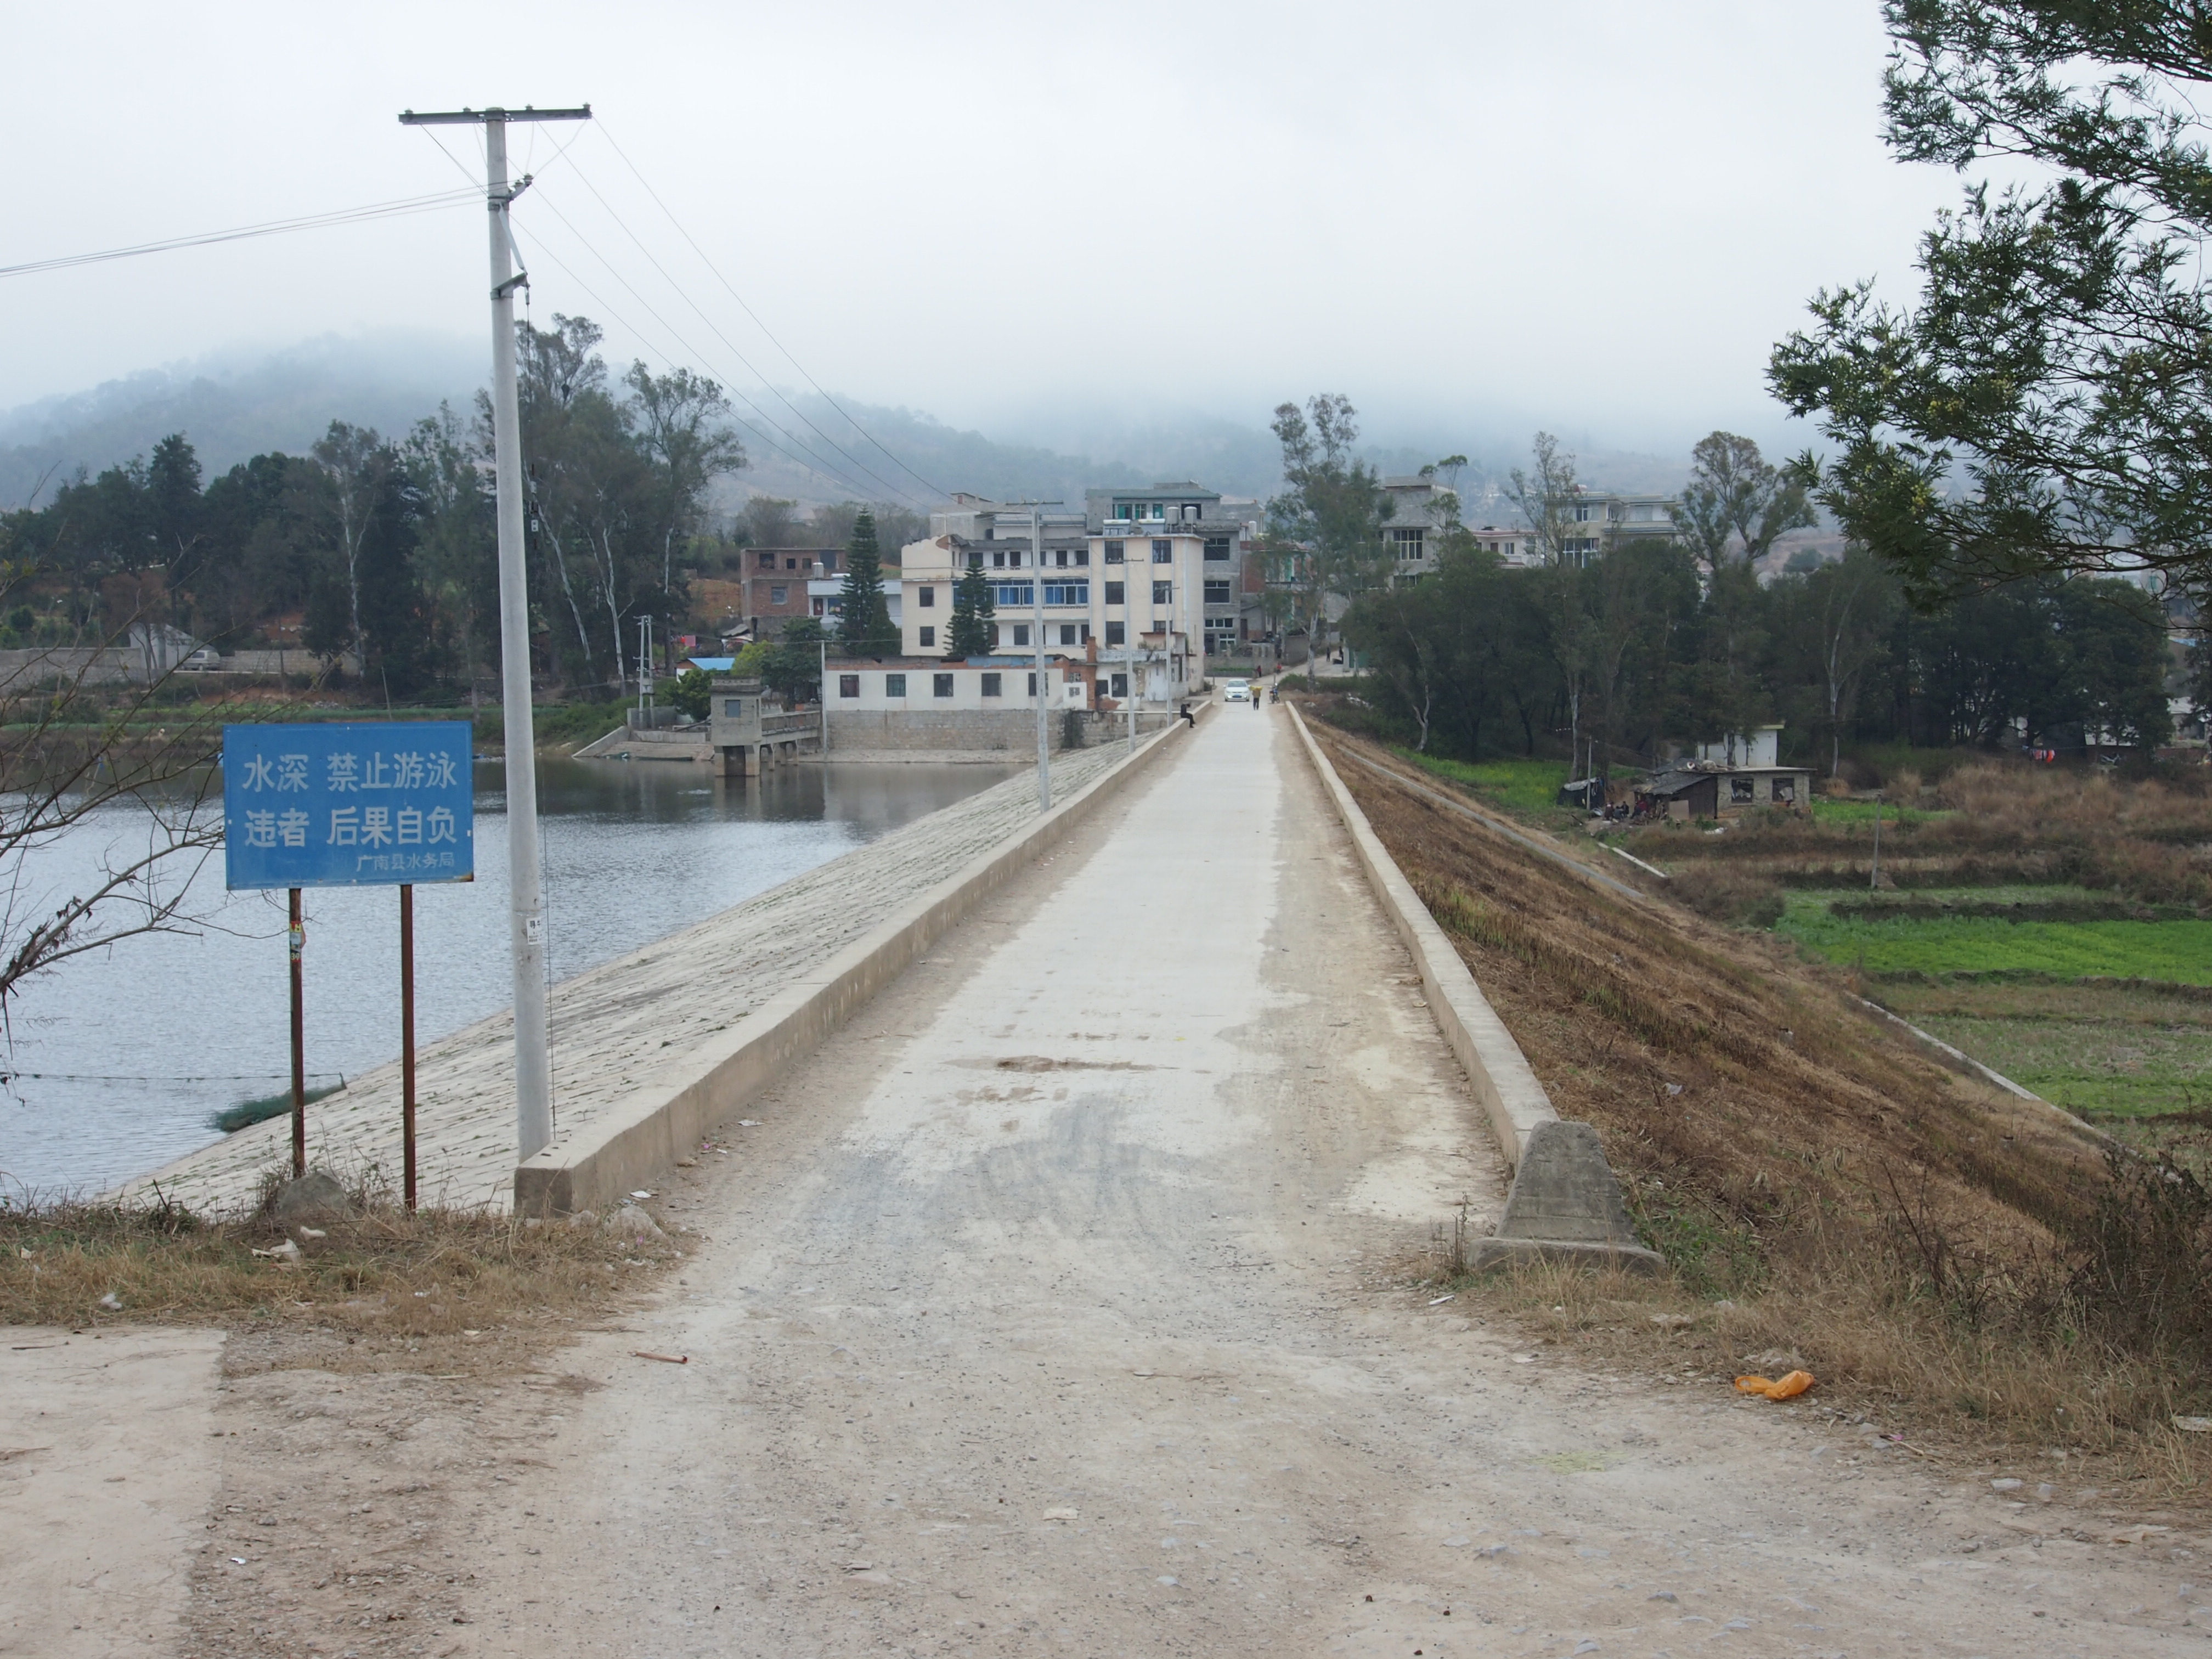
(1151, 575)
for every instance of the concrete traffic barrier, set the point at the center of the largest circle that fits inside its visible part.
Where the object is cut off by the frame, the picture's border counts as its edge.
(1565, 1203)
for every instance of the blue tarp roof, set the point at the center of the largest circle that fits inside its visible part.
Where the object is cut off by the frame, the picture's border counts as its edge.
(712, 664)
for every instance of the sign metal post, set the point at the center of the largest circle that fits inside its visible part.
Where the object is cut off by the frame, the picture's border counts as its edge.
(369, 805)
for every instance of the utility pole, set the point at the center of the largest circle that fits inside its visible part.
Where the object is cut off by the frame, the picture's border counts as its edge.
(533, 1059)
(1043, 685)
(1036, 612)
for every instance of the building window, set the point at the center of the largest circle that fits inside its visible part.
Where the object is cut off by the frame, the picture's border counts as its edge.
(1120, 684)
(925, 637)
(848, 685)
(1216, 547)
(1163, 593)
(990, 685)
(940, 685)
(1739, 789)
(1067, 633)
(1033, 684)
(1217, 590)
(1113, 592)
(926, 599)
(791, 564)
(1113, 552)
(1163, 552)
(1116, 632)
(1405, 543)
(828, 564)
(998, 561)
(768, 561)
(1785, 790)
(1014, 593)
(734, 707)
(1082, 556)
(779, 595)
(895, 685)
(1068, 592)
(1021, 633)
(1061, 558)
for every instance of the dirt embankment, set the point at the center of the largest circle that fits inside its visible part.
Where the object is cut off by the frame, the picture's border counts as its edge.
(1908, 1230)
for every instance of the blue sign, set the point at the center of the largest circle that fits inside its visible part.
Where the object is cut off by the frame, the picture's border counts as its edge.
(332, 805)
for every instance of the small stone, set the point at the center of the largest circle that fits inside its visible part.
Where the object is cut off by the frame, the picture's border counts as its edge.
(2008, 1484)
(111, 1303)
(584, 1218)
(631, 1222)
(315, 1196)
(2046, 1492)
(1662, 1595)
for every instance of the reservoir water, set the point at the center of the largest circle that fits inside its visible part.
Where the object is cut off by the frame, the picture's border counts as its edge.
(118, 1058)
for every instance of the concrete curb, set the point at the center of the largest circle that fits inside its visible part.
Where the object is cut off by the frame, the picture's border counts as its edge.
(634, 1141)
(1571, 1209)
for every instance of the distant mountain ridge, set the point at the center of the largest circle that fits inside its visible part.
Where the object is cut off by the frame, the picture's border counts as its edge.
(803, 445)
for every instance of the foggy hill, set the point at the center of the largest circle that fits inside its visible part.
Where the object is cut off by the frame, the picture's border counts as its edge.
(240, 405)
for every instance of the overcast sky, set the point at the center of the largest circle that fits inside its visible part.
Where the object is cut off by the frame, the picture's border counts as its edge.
(1590, 215)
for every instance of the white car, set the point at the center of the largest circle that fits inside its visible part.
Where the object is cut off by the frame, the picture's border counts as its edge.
(1236, 691)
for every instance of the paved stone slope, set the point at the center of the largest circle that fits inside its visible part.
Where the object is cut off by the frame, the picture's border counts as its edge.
(610, 1023)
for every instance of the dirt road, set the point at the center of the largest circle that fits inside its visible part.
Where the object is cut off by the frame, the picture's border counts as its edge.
(1057, 1306)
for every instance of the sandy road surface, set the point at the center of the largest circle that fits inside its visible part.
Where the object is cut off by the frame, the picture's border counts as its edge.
(106, 1471)
(1046, 1311)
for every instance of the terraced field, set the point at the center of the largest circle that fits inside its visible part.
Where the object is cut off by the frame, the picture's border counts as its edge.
(2057, 926)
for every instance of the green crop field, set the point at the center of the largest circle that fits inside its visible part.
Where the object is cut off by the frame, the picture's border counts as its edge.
(1863, 811)
(2103, 1051)
(1526, 785)
(2177, 952)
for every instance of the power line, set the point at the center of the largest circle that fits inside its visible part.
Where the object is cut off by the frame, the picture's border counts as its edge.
(726, 340)
(937, 492)
(815, 463)
(815, 466)
(393, 209)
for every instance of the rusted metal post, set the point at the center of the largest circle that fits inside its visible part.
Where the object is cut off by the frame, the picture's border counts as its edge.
(297, 939)
(407, 1038)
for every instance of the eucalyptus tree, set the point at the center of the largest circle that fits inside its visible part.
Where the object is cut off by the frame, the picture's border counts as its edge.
(1332, 508)
(1735, 499)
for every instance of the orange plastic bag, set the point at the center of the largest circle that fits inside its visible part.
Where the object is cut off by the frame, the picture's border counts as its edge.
(1788, 1388)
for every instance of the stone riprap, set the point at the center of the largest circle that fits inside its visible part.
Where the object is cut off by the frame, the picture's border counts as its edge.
(613, 1023)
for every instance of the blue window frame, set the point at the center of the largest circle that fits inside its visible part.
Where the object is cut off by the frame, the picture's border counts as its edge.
(1068, 592)
(1023, 593)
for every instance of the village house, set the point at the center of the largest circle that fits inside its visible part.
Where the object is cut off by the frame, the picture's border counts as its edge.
(1734, 774)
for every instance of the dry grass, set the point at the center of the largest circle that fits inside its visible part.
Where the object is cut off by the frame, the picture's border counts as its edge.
(1817, 1182)
(464, 1287)
(1950, 1395)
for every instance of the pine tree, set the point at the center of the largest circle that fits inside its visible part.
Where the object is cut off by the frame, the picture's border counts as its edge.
(865, 629)
(972, 607)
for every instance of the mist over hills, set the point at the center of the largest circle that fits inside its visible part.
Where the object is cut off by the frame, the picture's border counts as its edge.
(804, 447)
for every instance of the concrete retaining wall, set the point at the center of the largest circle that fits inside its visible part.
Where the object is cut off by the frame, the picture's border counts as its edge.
(885, 729)
(1512, 1098)
(632, 1142)
(1565, 1205)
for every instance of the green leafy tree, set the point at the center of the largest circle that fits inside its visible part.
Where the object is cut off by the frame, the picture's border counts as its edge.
(694, 693)
(974, 604)
(864, 625)
(1735, 501)
(2041, 408)
(1333, 508)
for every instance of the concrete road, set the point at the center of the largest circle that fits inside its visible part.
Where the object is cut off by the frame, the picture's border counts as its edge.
(1051, 1309)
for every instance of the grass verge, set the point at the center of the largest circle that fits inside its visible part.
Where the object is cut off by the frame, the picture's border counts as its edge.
(463, 1284)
